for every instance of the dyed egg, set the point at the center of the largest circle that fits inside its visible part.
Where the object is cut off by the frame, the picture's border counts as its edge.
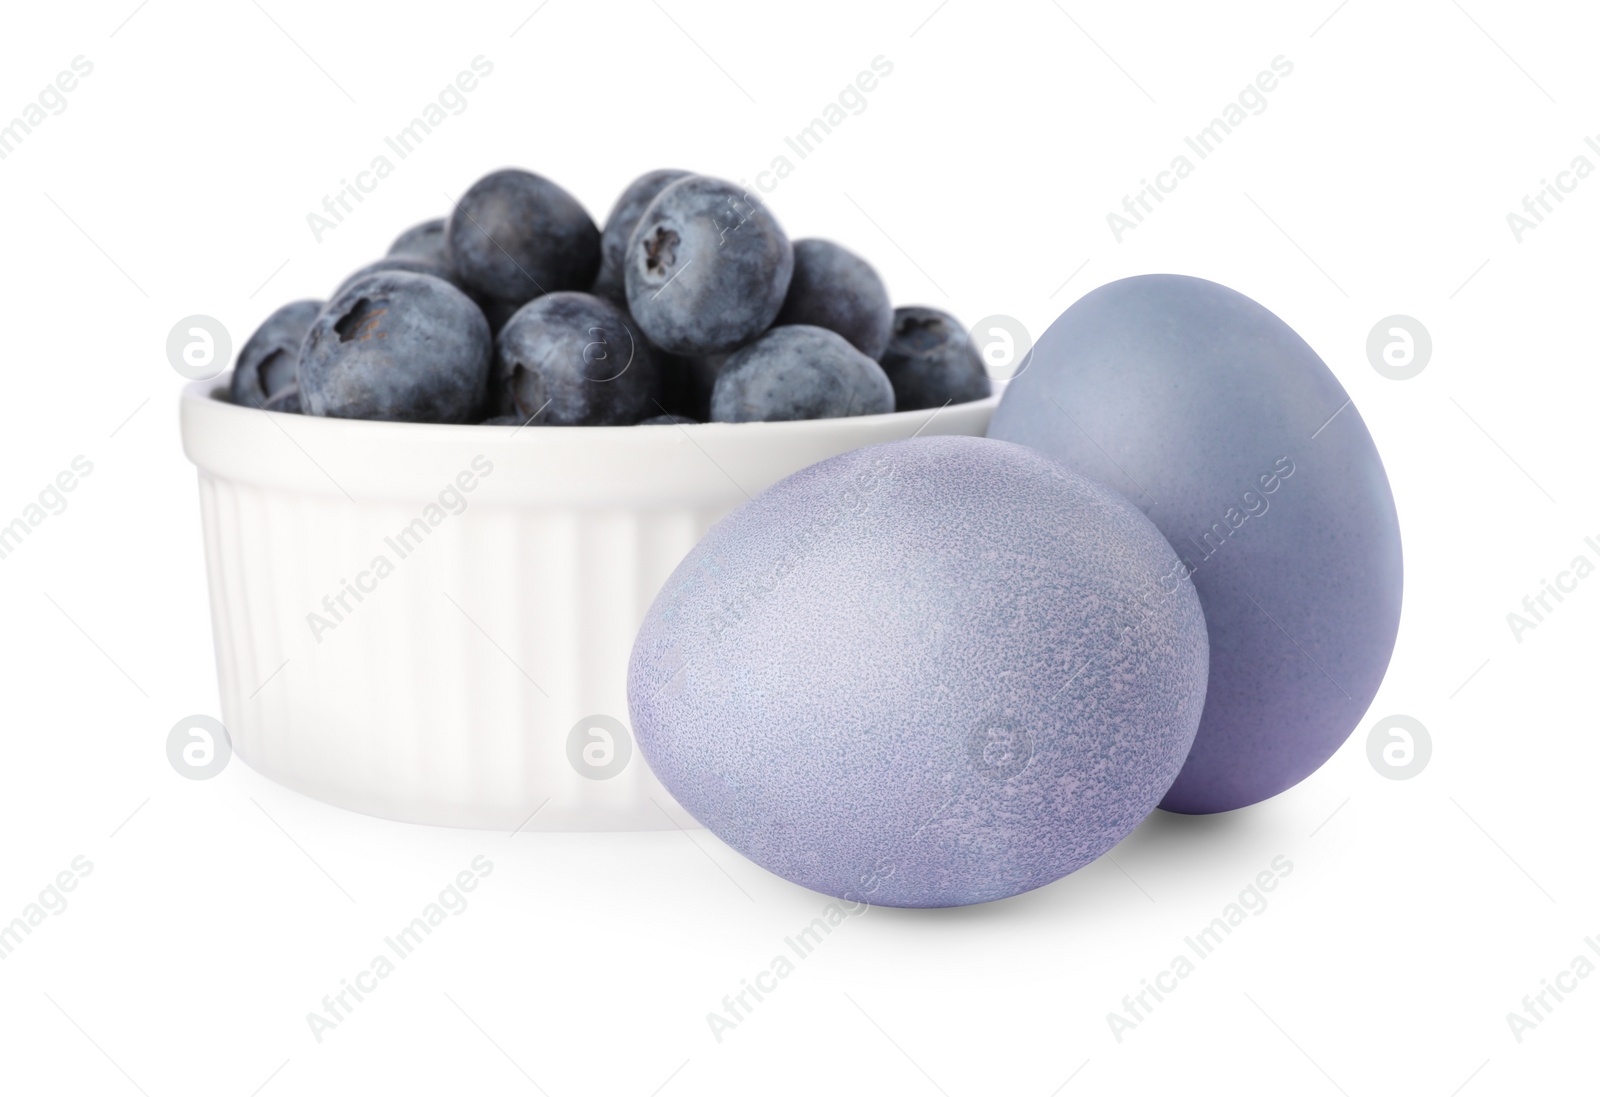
(927, 673)
(1240, 445)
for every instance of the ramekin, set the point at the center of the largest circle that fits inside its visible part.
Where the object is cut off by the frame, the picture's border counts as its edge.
(432, 623)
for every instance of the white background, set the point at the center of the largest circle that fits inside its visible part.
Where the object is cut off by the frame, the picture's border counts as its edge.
(217, 915)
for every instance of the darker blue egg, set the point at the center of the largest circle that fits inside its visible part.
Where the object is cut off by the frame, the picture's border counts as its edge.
(1242, 447)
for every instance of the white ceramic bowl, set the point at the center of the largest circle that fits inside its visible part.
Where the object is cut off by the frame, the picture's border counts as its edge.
(432, 623)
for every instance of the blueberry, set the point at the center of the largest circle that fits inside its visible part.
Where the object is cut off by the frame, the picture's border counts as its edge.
(425, 240)
(667, 420)
(686, 382)
(707, 267)
(574, 359)
(515, 235)
(931, 361)
(398, 346)
(286, 400)
(266, 363)
(799, 372)
(837, 289)
(619, 229)
(410, 263)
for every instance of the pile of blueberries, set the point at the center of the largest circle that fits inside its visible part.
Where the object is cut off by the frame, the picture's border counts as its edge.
(690, 306)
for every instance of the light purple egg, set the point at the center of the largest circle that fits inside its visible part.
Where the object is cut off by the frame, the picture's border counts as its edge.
(926, 673)
(1219, 421)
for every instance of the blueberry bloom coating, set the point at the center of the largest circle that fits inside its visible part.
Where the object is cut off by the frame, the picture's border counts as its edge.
(515, 235)
(621, 222)
(398, 346)
(707, 267)
(837, 289)
(931, 361)
(573, 359)
(799, 372)
(266, 363)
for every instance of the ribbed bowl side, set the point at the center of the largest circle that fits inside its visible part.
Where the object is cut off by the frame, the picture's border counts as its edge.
(390, 644)
(448, 691)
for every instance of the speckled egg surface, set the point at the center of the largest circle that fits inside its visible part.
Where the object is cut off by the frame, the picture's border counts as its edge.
(1230, 432)
(927, 673)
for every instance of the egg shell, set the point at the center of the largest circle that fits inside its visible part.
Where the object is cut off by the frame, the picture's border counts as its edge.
(1242, 447)
(927, 673)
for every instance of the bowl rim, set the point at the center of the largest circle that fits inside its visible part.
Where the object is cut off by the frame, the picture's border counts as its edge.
(212, 394)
